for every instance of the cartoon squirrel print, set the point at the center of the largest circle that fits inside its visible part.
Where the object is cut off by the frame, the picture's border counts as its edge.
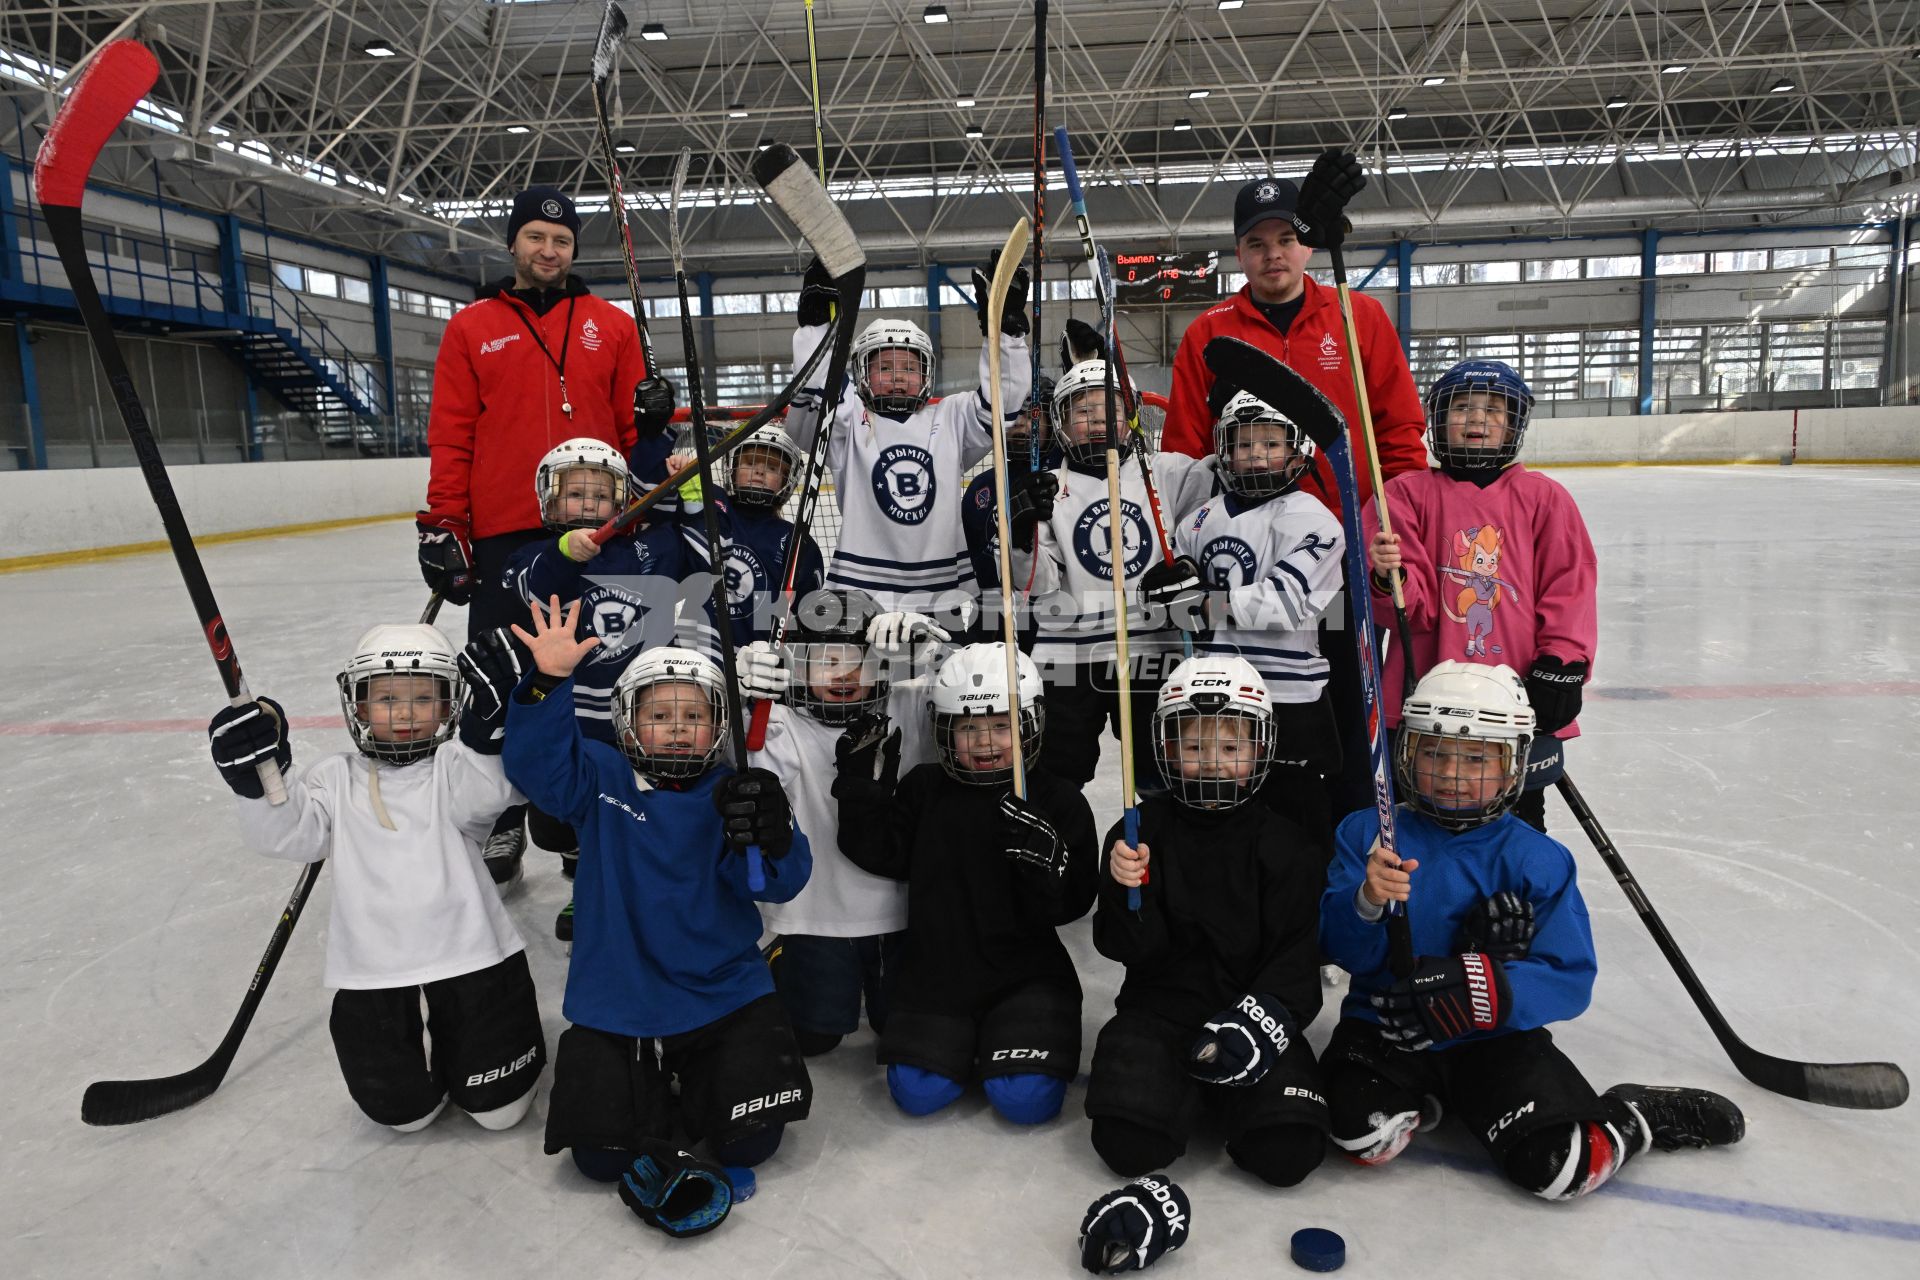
(1476, 565)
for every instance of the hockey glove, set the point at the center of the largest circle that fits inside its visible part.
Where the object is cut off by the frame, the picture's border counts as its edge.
(446, 561)
(1081, 341)
(1013, 313)
(764, 675)
(754, 811)
(492, 667)
(1128, 1229)
(1446, 998)
(1032, 505)
(1029, 839)
(244, 736)
(906, 635)
(1319, 216)
(653, 403)
(1241, 1044)
(1553, 687)
(1177, 588)
(817, 296)
(866, 760)
(671, 1190)
(1502, 926)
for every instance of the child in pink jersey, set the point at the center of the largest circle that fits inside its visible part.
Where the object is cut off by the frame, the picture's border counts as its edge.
(1499, 569)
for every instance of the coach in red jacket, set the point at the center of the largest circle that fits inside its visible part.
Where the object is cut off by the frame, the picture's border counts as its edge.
(1284, 312)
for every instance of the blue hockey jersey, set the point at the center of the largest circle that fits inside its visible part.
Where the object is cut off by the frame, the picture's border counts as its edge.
(756, 561)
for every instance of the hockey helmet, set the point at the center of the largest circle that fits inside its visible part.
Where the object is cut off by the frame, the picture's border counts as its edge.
(557, 470)
(835, 674)
(1260, 478)
(386, 722)
(1503, 391)
(886, 335)
(675, 754)
(1086, 384)
(770, 443)
(1213, 731)
(1465, 728)
(972, 682)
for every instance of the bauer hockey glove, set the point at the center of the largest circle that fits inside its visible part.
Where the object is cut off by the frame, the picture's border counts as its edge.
(763, 672)
(1177, 588)
(1081, 341)
(1128, 1228)
(1241, 1044)
(1446, 998)
(1553, 687)
(866, 760)
(671, 1190)
(1319, 215)
(446, 562)
(1502, 926)
(1029, 839)
(817, 296)
(1032, 505)
(1013, 314)
(244, 736)
(754, 811)
(653, 404)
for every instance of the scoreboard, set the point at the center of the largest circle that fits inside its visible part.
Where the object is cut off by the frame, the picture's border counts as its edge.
(1162, 278)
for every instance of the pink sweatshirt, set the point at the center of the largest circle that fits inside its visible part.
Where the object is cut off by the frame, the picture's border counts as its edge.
(1494, 575)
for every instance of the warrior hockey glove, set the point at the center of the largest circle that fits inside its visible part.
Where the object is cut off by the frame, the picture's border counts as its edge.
(1013, 315)
(1553, 687)
(445, 561)
(1081, 341)
(906, 635)
(866, 760)
(1029, 839)
(492, 667)
(754, 811)
(1241, 1044)
(817, 296)
(652, 407)
(1446, 998)
(1177, 588)
(1032, 505)
(244, 736)
(1129, 1228)
(1502, 926)
(1319, 215)
(671, 1190)
(763, 672)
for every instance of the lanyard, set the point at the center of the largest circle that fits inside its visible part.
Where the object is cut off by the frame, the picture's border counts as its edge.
(560, 365)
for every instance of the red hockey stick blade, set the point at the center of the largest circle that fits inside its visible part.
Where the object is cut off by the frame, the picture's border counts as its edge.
(113, 83)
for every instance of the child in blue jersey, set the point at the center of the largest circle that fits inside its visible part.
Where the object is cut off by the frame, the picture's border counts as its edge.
(666, 981)
(762, 477)
(1503, 948)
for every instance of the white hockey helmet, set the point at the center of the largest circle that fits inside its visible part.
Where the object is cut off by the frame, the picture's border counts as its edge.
(1088, 379)
(549, 478)
(667, 664)
(769, 442)
(883, 335)
(973, 682)
(1246, 410)
(401, 649)
(1213, 731)
(1464, 703)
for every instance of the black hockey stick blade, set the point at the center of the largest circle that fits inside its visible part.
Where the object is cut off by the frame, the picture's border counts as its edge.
(793, 186)
(1252, 370)
(606, 48)
(1863, 1086)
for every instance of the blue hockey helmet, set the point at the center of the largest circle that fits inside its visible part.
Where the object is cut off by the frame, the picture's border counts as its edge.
(1505, 394)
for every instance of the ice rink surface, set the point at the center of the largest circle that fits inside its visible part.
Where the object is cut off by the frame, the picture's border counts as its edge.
(1750, 745)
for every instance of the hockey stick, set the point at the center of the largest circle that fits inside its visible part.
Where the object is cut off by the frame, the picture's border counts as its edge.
(117, 79)
(1867, 1086)
(1003, 271)
(606, 55)
(108, 1102)
(1251, 369)
(1117, 575)
(1039, 215)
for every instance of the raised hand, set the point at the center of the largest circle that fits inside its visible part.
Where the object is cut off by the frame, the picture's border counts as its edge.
(555, 651)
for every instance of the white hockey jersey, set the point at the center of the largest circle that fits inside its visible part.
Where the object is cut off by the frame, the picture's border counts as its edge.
(899, 483)
(410, 905)
(1277, 562)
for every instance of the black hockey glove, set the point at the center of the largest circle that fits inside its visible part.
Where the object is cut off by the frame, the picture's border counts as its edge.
(1032, 505)
(1502, 926)
(670, 1189)
(244, 736)
(817, 296)
(1241, 1044)
(1553, 687)
(754, 811)
(1128, 1228)
(1029, 839)
(445, 561)
(1446, 998)
(653, 402)
(866, 760)
(1081, 341)
(492, 666)
(1177, 588)
(1319, 216)
(1013, 313)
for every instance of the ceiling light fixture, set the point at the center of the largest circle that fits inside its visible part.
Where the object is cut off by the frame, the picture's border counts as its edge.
(1431, 81)
(737, 111)
(378, 49)
(1673, 68)
(653, 31)
(1198, 93)
(1782, 87)
(1182, 125)
(934, 15)
(1397, 113)
(963, 102)
(518, 128)
(974, 131)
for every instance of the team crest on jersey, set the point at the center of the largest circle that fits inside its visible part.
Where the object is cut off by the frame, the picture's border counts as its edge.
(615, 620)
(1329, 352)
(984, 498)
(590, 335)
(1228, 562)
(744, 576)
(1093, 540)
(903, 481)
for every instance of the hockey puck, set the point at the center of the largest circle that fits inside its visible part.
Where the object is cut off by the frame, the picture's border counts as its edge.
(742, 1179)
(1318, 1249)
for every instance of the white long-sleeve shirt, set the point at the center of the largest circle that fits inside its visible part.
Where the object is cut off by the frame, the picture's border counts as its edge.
(410, 905)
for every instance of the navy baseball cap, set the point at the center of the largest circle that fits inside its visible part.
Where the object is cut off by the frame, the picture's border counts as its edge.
(1261, 199)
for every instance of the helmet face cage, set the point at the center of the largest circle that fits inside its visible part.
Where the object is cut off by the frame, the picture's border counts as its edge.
(1256, 421)
(889, 335)
(1480, 397)
(835, 680)
(587, 476)
(958, 736)
(1035, 418)
(377, 712)
(1088, 405)
(1441, 772)
(769, 450)
(659, 725)
(1212, 757)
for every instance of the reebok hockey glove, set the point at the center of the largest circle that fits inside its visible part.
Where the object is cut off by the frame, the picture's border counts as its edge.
(1241, 1044)
(1080, 341)
(669, 1189)
(492, 666)
(1128, 1229)
(1013, 315)
(866, 760)
(446, 562)
(1446, 998)
(1502, 926)
(817, 296)
(1032, 505)
(244, 736)
(1029, 839)
(754, 811)
(1553, 687)
(652, 407)
(1177, 588)
(1319, 216)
